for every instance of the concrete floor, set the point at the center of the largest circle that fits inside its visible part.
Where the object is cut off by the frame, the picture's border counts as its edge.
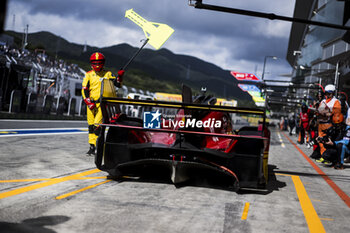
(297, 199)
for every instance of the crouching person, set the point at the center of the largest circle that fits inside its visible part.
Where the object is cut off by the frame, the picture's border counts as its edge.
(343, 146)
(337, 149)
(330, 155)
(331, 135)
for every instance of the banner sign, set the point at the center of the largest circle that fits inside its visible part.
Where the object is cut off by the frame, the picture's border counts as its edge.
(244, 76)
(255, 92)
(248, 88)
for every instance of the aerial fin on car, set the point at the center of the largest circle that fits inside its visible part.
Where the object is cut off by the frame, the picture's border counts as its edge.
(186, 94)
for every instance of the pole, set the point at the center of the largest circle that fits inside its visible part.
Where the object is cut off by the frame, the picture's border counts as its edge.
(265, 91)
(263, 73)
(265, 58)
(265, 107)
(25, 42)
(137, 53)
(336, 79)
(199, 5)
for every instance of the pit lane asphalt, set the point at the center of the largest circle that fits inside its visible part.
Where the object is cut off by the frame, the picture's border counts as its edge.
(48, 185)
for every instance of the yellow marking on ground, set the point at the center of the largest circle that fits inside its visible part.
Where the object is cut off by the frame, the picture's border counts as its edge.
(327, 219)
(80, 190)
(316, 200)
(313, 221)
(245, 211)
(281, 140)
(45, 184)
(83, 130)
(280, 174)
(92, 178)
(6, 132)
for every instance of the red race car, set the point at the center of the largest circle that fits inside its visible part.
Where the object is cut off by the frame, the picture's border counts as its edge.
(195, 137)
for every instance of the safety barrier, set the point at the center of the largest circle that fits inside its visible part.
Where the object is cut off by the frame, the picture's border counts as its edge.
(71, 107)
(60, 105)
(31, 103)
(15, 101)
(48, 101)
(82, 108)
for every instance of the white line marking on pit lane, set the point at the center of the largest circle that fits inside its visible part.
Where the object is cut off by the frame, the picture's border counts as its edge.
(280, 138)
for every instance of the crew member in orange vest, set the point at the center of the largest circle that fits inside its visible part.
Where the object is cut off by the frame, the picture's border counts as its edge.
(329, 112)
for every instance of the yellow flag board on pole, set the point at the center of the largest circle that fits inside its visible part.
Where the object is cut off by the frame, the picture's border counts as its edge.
(156, 33)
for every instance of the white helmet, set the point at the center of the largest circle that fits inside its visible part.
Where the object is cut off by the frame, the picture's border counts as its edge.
(329, 88)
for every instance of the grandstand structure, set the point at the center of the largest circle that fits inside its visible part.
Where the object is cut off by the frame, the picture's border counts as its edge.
(33, 82)
(36, 83)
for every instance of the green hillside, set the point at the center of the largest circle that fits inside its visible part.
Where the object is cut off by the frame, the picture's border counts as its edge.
(152, 70)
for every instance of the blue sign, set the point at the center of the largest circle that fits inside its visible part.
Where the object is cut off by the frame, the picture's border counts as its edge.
(151, 120)
(246, 87)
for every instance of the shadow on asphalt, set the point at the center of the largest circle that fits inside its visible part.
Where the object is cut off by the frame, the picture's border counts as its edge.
(210, 180)
(36, 225)
(340, 177)
(273, 184)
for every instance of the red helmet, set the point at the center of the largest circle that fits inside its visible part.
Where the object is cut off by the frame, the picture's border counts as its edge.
(97, 61)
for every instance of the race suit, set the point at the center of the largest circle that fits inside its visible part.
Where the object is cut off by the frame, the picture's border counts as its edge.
(91, 88)
(304, 126)
(332, 106)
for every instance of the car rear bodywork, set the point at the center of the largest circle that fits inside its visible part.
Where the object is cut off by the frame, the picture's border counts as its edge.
(127, 148)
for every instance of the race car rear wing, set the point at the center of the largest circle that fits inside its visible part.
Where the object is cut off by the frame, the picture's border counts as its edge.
(111, 104)
(192, 106)
(111, 107)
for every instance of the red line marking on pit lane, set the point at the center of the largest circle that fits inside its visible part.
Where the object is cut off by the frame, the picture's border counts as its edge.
(329, 181)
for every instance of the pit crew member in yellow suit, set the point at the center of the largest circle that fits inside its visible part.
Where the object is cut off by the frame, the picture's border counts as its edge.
(91, 92)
